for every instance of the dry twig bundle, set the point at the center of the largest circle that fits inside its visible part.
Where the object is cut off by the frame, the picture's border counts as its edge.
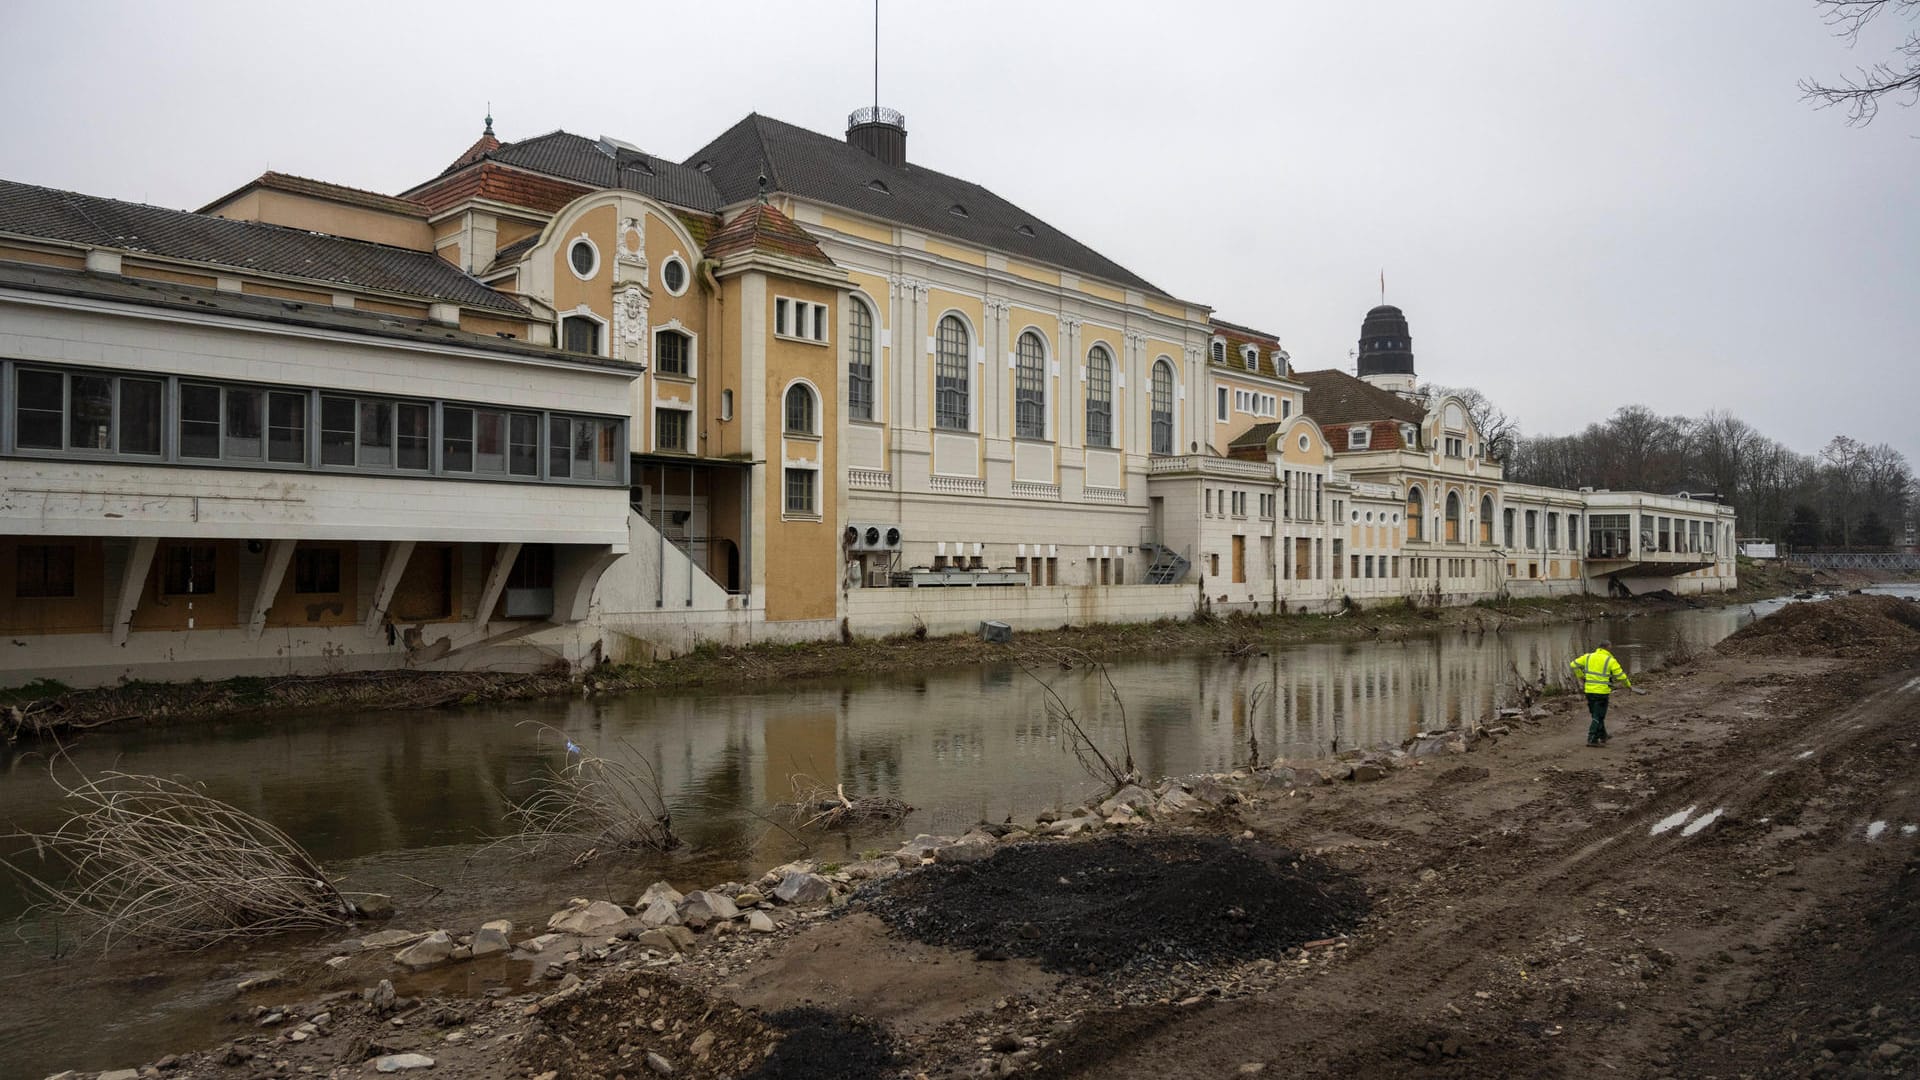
(816, 805)
(1092, 758)
(589, 804)
(148, 858)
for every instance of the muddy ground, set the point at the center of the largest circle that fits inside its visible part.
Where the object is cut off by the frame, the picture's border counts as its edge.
(1728, 890)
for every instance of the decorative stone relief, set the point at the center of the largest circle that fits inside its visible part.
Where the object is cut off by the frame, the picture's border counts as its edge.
(634, 256)
(630, 324)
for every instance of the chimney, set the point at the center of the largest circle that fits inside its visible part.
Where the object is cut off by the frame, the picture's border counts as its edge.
(879, 131)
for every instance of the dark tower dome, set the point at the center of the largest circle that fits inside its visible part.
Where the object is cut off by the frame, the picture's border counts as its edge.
(1386, 346)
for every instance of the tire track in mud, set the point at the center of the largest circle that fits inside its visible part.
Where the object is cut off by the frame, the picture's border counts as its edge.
(1365, 1013)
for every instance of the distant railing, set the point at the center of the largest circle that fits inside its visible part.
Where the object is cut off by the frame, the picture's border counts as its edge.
(877, 114)
(1857, 560)
(1211, 466)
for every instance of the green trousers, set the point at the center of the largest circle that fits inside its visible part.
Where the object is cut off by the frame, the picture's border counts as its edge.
(1597, 708)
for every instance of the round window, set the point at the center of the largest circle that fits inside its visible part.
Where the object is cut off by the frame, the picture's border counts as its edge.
(1305, 442)
(1396, 519)
(583, 258)
(1356, 515)
(1369, 517)
(673, 274)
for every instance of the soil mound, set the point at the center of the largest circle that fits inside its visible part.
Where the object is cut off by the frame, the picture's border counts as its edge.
(1116, 902)
(1849, 626)
(609, 1032)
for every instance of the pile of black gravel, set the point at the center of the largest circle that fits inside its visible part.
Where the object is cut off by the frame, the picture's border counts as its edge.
(1095, 906)
(820, 1045)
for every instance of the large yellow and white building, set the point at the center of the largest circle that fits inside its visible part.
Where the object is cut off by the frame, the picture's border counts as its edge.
(570, 401)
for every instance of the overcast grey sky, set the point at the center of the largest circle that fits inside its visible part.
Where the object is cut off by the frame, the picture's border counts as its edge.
(1579, 205)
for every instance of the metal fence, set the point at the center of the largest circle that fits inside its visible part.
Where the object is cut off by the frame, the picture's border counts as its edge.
(1856, 560)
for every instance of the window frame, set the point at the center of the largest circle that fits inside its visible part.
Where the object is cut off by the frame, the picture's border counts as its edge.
(800, 390)
(862, 355)
(953, 375)
(811, 510)
(1099, 396)
(685, 416)
(583, 240)
(1359, 438)
(686, 361)
(797, 319)
(1030, 413)
(1162, 420)
(585, 318)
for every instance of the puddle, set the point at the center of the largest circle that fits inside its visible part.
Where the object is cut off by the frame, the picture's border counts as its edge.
(1703, 821)
(1670, 822)
(1874, 830)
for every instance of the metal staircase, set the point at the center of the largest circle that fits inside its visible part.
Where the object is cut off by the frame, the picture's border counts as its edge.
(1168, 567)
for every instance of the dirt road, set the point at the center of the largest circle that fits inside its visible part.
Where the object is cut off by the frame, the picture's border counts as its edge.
(1698, 900)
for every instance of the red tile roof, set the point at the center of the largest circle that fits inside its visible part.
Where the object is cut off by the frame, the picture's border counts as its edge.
(320, 189)
(760, 227)
(481, 147)
(498, 183)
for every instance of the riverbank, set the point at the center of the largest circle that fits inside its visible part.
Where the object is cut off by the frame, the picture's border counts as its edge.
(45, 709)
(1720, 892)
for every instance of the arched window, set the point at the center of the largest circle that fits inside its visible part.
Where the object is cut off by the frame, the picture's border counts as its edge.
(1030, 388)
(1416, 515)
(1506, 533)
(1453, 517)
(1486, 519)
(1099, 396)
(952, 403)
(580, 334)
(671, 356)
(1162, 406)
(859, 361)
(800, 411)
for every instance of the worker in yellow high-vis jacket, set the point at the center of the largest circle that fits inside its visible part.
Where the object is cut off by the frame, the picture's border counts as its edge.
(1597, 670)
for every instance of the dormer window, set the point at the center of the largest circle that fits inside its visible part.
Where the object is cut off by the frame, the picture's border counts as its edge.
(1359, 438)
(879, 186)
(1025, 230)
(1410, 435)
(958, 211)
(1219, 351)
(1252, 356)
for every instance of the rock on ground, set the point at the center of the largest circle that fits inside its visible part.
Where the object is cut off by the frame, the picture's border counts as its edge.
(435, 948)
(393, 1063)
(798, 888)
(584, 917)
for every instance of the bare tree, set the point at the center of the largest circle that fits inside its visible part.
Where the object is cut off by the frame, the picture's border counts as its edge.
(1497, 430)
(1862, 91)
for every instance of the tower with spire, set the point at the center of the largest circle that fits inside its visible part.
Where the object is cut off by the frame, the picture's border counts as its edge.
(1386, 350)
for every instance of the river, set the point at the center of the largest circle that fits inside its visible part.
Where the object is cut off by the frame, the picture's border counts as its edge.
(406, 802)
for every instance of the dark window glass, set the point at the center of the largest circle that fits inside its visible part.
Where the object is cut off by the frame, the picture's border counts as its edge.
(1099, 397)
(456, 439)
(559, 438)
(1162, 407)
(860, 361)
(316, 570)
(199, 421)
(1030, 388)
(490, 442)
(533, 569)
(416, 427)
(140, 416)
(952, 398)
(581, 255)
(800, 489)
(674, 275)
(188, 570)
(580, 335)
(244, 427)
(376, 433)
(337, 430)
(669, 429)
(287, 427)
(523, 446)
(585, 438)
(89, 412)
(670, 353)
(39, 410)
(800, 411)
(606, 458)
(43, 571)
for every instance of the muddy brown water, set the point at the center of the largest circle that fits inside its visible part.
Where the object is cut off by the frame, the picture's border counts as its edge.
(405, 803)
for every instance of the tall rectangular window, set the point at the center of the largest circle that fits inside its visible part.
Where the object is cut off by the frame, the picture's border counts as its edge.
(489, 442)
(287, 427)
(559, 442)
(670, 429)
(456, 439)
(523, 444)
(952, 396)
(580, 334)
(413, 435)
(244, 430)
(316, 570)
(43, 571)
(199, 421)
(859, 361)
(140, 401)
(1029, 388)
(1099, 397)
(670, 353)
(376, 434)
(89, 412)
(337, 430)
(38, 410)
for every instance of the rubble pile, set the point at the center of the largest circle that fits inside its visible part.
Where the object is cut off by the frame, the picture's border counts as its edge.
(1119, 901)
(1848, 626)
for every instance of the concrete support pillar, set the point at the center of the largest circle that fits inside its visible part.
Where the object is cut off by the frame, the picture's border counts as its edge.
(279, 554)
(392, 565)
(504, 557)
(133, 581)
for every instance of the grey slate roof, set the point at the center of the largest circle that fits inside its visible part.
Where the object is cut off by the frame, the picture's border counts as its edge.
(60, 281)
(47, 213)
(573, 157)
(829, 170)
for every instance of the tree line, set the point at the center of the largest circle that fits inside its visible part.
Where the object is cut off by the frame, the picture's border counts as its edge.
(1849, 494)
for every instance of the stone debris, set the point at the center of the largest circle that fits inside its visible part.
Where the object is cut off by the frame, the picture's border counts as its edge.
(659, 1064)
(492, 937)
(433, 949)
(659, 890)
(760, 922)
(660, 912)
(391, 939)
(583, 917)
(702, 907)
(799, 888)
(393, 1063)
(537, 945)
